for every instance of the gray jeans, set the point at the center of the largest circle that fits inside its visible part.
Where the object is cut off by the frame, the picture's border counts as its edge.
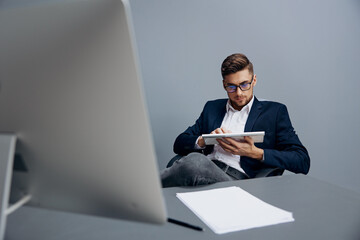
(192, 170)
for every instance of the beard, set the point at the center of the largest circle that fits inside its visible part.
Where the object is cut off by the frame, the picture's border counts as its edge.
(238, 102)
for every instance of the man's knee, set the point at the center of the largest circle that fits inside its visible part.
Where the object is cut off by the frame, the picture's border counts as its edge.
(193, 169)
(194, 161)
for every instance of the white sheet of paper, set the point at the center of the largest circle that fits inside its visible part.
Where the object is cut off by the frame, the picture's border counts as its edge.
(231, 209)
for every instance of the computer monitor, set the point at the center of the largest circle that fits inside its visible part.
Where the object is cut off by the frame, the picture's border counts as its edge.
(71, 91)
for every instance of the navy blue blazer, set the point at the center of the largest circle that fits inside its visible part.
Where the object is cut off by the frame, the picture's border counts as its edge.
(282, 147)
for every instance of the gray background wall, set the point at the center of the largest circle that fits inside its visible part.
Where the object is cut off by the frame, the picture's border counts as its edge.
(306, 54)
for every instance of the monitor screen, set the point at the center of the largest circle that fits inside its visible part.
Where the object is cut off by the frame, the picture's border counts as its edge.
(71, 91)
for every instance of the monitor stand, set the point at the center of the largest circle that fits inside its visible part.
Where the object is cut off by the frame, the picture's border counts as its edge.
(7, 152)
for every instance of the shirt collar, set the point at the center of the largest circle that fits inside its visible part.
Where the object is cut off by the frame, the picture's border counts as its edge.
(246, 108)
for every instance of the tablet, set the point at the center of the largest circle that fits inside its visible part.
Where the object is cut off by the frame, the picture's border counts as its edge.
(210, 139)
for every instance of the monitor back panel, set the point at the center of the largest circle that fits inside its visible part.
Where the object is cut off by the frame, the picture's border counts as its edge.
(71, 91)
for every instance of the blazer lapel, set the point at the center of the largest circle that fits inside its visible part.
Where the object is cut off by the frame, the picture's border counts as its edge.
(216, 123)
(253, 115)
(219, 116)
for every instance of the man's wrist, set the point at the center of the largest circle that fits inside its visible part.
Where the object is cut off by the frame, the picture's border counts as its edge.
(200, 143)
(258, 154)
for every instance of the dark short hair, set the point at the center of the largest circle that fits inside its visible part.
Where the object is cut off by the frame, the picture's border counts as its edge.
(235, 63)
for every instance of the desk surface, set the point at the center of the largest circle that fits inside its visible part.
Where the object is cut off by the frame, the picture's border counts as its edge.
(321, 211)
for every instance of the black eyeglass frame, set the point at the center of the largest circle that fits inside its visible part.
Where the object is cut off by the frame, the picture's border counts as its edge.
(239, 86)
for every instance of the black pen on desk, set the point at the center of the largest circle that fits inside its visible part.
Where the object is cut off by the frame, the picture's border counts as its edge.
(184, 224)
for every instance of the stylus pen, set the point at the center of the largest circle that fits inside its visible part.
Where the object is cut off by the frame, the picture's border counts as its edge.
(184, 224)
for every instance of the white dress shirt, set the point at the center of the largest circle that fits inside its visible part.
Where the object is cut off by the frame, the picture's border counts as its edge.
(234, 121)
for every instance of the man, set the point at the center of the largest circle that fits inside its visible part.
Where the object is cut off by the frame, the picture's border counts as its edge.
(241, 112)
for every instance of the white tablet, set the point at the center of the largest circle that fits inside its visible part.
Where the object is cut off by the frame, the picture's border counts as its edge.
(210, 139)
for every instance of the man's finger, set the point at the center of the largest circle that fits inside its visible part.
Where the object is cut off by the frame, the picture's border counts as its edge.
(218, 131)
(227, 146)
(249, 139)
(224, 130)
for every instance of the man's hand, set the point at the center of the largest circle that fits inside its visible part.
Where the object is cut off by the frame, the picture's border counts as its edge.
(201, 141)
(243, 148)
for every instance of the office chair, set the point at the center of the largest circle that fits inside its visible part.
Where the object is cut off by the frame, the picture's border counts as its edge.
(266, 172)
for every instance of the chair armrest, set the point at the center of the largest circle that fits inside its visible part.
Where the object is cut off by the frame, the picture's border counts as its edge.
(269, 172)
(174, 159)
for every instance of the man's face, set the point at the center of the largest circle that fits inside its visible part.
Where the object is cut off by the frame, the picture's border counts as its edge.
(240, 98)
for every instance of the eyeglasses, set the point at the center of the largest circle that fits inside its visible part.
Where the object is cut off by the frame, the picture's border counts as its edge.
(230, 88)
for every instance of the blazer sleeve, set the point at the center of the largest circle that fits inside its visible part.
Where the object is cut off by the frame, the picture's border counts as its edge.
(288, 153)
(185, 142)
